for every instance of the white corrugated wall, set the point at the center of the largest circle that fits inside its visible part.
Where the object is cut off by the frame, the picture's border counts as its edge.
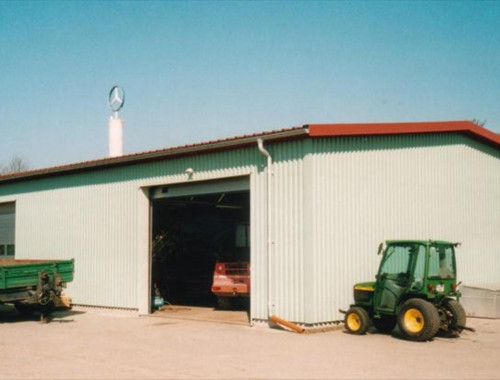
(288, 215)
(368, 189)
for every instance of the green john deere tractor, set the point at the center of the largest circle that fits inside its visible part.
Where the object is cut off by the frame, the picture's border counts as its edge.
(415, 288)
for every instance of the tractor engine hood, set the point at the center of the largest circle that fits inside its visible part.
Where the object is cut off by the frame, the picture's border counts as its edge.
(363, 292)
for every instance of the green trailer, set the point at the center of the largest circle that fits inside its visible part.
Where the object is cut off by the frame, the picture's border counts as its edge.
(34, 285)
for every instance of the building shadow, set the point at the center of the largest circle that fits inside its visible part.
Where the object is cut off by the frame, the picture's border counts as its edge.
(9, 314)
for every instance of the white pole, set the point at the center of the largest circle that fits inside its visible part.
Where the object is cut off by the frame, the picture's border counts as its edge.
(115, 137)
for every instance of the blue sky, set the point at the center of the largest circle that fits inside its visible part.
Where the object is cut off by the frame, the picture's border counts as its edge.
(196, 71)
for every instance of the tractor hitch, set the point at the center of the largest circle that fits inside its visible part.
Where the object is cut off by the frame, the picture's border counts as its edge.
(467, 328)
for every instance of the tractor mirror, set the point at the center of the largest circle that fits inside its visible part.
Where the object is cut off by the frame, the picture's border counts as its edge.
(380, 248)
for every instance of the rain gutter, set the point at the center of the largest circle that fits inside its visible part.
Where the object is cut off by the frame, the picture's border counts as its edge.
(186, 150)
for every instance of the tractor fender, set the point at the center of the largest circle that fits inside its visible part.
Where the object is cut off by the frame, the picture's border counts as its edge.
(405, 297)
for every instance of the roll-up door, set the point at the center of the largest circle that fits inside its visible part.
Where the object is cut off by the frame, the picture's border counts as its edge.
(7, 230)
(235, 184)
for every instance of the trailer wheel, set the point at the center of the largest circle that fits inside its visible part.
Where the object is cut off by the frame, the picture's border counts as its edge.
(457, 319)
(418, 320)
(357, 320)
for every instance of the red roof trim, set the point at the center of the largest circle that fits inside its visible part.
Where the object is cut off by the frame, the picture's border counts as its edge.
(467, 127)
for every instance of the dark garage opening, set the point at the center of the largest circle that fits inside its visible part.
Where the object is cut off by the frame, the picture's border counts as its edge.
(190, 234)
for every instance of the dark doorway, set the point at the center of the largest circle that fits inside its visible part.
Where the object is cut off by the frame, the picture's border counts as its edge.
(190, 234)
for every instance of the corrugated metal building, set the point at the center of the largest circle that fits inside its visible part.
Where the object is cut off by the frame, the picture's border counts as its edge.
(336, 192)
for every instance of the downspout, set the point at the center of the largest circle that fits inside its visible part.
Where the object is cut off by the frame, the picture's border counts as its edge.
(262, 150)
(270, 243)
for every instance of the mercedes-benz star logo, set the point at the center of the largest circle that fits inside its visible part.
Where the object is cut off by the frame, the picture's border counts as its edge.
(116, 98)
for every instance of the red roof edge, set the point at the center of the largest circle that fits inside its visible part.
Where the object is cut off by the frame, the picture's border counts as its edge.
(369, 129)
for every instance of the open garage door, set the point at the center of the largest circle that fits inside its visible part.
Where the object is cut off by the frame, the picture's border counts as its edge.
(200, 231)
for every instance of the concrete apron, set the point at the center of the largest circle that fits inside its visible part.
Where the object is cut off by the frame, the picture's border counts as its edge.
(205, 314)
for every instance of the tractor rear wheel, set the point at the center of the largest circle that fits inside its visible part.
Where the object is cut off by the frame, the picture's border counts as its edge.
(456, 318)
(385, 324)
(357, 320)
(418, 320)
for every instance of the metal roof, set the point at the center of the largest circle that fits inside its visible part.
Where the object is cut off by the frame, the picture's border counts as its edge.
(154, 155)
(466, 127)
(309, 130)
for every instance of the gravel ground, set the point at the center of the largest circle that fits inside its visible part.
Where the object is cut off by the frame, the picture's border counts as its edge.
(103, 344)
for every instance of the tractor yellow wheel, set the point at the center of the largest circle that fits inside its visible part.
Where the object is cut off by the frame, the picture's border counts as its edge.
(414, 321)
(357, 320)
(353, 322)
(418, 320)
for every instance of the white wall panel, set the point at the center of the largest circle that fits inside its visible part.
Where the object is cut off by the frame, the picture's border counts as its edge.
(369, 189)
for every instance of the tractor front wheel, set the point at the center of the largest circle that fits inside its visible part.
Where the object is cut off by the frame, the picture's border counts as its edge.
(418, 320)
(357, 320)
